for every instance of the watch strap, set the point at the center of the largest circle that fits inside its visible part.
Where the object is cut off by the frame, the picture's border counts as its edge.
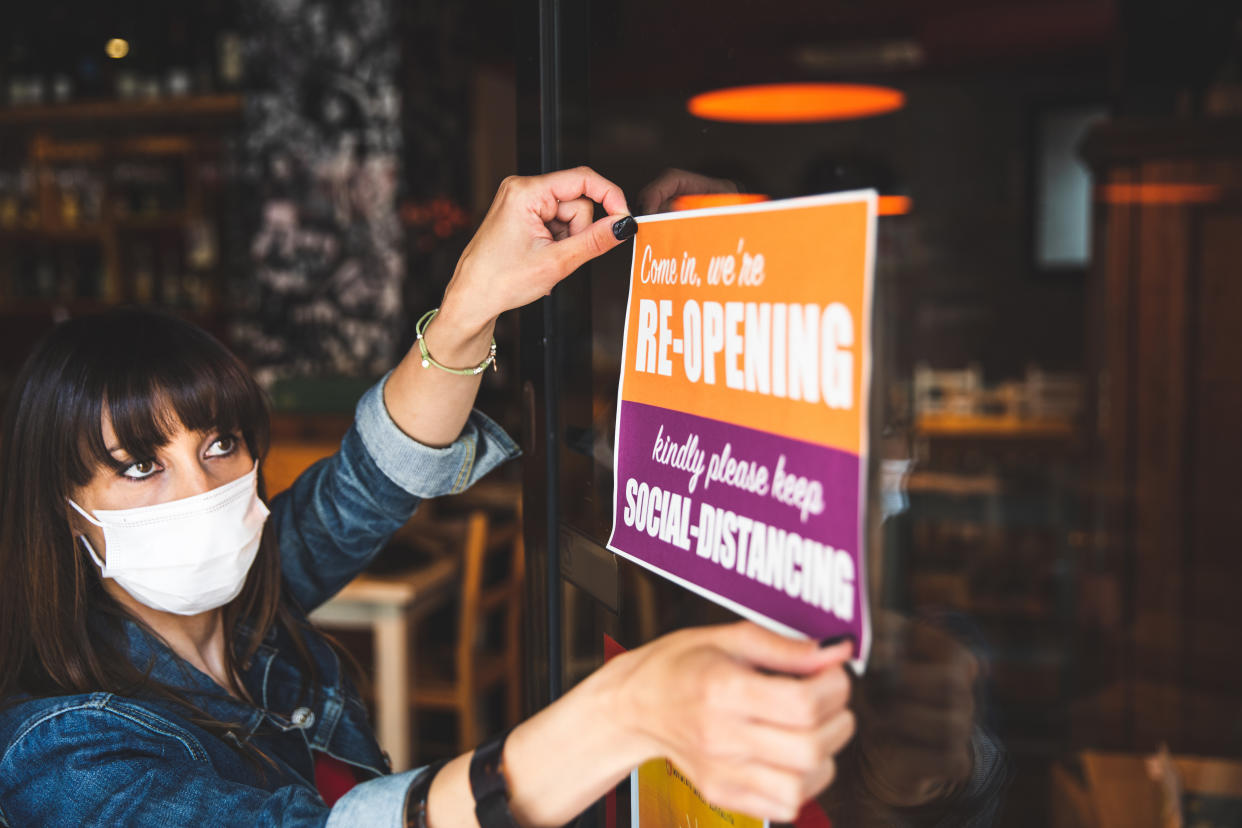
(487, 783)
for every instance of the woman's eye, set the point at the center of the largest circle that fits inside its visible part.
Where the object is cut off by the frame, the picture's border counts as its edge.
(141, 470)
(224, 445)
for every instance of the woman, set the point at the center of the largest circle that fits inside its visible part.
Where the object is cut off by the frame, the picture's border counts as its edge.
(156, 666)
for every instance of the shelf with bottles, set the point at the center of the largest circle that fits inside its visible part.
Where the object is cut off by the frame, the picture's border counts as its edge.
(225, 107)
(181, 58)
(1042, 405)
(125, 218)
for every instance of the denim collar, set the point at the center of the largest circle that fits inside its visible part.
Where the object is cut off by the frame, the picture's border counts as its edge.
(155, 658)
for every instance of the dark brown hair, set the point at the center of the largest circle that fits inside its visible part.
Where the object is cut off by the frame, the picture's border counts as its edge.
(149, 371)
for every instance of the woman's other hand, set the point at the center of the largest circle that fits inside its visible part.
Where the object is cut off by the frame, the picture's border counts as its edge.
(538, 230)
(753, 718)
(916, 712)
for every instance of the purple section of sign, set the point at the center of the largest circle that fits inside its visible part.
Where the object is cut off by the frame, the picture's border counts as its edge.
(653, 444)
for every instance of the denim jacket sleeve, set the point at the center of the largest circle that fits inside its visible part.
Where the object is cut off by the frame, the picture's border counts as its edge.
(100, 763)
(341, 511)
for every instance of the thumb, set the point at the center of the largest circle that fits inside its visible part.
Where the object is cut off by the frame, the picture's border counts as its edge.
(593, 241)
(773, 651)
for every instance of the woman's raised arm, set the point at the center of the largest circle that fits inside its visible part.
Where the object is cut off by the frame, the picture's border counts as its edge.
(537, 231)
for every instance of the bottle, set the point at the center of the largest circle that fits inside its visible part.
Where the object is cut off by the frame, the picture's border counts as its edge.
(144, 274)
(229, 59)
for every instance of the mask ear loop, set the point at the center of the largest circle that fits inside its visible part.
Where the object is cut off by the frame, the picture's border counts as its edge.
(83, 513)
(90, 549)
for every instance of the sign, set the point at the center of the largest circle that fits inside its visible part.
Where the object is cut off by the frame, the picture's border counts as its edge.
(741, 439)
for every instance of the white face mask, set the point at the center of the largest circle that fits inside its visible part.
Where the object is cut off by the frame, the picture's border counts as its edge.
(186, 556)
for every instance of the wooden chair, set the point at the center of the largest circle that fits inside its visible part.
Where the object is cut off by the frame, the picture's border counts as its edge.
(475, 670)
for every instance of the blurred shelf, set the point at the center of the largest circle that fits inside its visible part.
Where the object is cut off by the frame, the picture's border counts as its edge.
(173, 221)
(96, 230)
(1017, 607)
(1006, 428)
(51, 308)
(65, 308)
(198, 107)
(83, 232)
(933, 482)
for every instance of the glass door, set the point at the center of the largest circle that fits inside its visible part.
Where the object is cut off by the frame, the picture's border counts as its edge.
(978, 446)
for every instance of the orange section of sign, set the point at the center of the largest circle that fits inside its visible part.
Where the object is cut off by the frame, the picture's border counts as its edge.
(756, 317)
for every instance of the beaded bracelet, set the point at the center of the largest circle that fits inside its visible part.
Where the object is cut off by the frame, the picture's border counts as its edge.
(428, 360)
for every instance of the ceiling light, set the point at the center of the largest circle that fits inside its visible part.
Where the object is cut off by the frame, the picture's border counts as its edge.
(794, 103)
(1160, 193)
(893, 205)
(698, 201)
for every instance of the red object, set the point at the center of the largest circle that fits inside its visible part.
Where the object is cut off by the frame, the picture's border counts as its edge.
(812, 816)
(333, 778)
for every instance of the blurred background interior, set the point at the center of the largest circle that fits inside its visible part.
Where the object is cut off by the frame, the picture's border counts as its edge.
(1057, 384)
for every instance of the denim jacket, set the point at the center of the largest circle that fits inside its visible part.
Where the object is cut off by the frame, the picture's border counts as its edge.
(102, 759)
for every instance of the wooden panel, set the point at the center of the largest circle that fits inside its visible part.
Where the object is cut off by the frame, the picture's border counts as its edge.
(1167, 351)
(1159, 479)
(1215, 452)
(1103, 717)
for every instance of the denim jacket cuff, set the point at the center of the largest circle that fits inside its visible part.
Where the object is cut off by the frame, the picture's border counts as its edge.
(378, 802)
(422, 470)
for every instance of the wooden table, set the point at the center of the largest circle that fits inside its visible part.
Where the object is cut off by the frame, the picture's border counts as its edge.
(388, 605)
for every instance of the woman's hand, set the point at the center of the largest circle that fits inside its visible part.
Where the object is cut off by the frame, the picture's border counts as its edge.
(537, 231)
(916, 712)
(753, 718)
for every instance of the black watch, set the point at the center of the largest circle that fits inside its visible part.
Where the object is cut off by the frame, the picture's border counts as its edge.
(487, 783)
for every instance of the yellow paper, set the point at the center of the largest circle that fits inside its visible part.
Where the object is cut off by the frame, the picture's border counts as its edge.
(667, 799)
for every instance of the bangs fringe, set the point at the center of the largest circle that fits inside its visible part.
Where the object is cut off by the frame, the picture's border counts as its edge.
(154, 378)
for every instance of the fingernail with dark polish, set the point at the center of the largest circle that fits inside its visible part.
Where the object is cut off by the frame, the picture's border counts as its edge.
(625, 228)
(834, 640)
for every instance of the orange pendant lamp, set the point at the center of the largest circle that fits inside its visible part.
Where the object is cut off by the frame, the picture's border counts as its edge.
(795, 103)
(698, 201)
(893, 205)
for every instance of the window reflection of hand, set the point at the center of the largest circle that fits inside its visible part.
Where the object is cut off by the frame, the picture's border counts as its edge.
(657, 197)
(916, 710)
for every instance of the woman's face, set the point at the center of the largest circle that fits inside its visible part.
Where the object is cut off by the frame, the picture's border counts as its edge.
(192, 462)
